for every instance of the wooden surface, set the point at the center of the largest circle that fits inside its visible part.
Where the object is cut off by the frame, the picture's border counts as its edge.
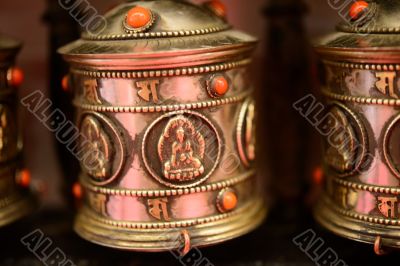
(271, 244)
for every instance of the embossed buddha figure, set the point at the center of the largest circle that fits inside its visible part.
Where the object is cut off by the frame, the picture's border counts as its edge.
(341, 152)
(184, 148)
(96, 148)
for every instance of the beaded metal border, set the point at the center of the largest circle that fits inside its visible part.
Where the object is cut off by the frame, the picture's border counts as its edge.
(162, 72)
(361, 99)
(370, 30)
(170, 192)
(363, 217)
(367, 187)
(160, 108)
(160, 34)
(175, 224)
(379, 67)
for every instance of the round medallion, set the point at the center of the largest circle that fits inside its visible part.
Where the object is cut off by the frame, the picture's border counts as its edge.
(346, 142)
(391, 146)
(246, 133)
(102, 148)
(181, 149)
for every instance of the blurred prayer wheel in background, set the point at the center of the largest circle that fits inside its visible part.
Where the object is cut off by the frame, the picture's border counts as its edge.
(362, 126)
(15, 199)
(167, 134)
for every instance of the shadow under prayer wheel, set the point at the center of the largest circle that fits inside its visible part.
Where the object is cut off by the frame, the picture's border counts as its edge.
(362, 125)
(15, 198)
(167, 134)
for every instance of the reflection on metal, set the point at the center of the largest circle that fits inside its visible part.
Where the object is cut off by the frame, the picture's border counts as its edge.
(362, 83)
(161, 138)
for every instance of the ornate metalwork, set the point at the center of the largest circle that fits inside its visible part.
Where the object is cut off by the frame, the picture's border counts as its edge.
(360, 200)
(102, 148)
(185, 158)
(159, 111)
(246, 133)
(97, 146)
(15, 201)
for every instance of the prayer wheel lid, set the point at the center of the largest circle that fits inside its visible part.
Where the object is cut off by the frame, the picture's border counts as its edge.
(371, 31)
(155, 29)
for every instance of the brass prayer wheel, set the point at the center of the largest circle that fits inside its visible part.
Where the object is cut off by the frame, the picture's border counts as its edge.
(362, 126)
(15, 199)
(167, 133)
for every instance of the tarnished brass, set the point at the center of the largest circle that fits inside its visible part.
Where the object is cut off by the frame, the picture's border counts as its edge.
(362, 129)
(166, 117)
(15, 200)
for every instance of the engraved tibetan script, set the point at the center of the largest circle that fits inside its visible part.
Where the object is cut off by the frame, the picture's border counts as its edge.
(148, 88)
(386, 83)
(90, 91)
(158, 208)
(387, 206)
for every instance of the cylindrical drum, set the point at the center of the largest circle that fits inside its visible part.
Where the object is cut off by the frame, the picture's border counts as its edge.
(15, 199)
(362, 125)
(166, 127)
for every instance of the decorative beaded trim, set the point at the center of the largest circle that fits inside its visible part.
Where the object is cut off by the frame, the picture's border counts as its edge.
(162, 34)
(160, 108)
(162, 72)
(171, 192)
(366, 187)
(175, 224)
(379, 67)
(362, 99)
(366, 218)
(370, 30)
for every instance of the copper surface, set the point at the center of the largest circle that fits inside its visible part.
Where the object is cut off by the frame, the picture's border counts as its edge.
(164, 144)
(361, 88)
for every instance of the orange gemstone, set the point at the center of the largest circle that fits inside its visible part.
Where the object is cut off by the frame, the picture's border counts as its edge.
(218, 7)
(138, 17)
(15, 76)
(229, 200)
(77, 190)
(24, 178)
(357, 9)
(318, 176)
(65, 83)
(220, 86)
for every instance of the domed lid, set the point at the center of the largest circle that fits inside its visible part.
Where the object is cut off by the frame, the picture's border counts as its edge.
(8, 48)
(161, 33)
(370, 30)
